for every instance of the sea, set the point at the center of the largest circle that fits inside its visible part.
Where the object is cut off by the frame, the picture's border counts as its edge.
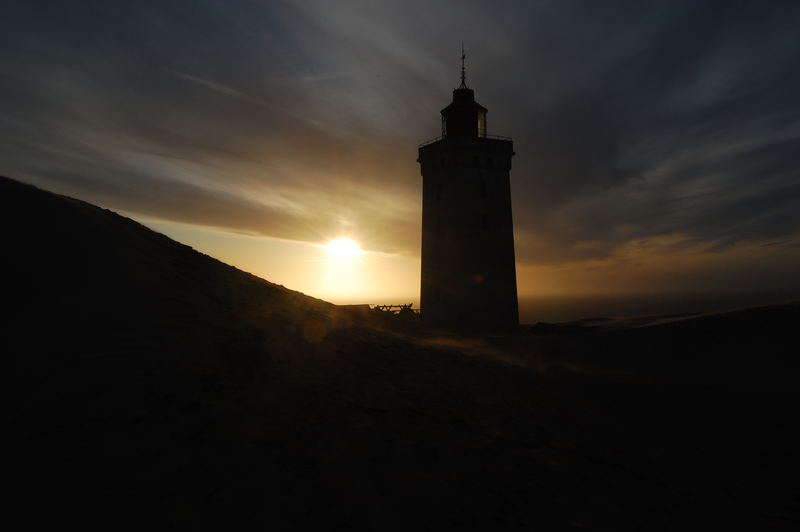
(565, 308)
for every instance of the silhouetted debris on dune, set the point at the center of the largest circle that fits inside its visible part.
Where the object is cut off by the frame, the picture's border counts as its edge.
(155, 387)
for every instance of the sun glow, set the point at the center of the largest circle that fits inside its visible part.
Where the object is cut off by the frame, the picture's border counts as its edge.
(343, 250)
(310, 267)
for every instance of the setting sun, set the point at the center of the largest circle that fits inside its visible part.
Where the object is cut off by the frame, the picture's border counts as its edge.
(343, 250)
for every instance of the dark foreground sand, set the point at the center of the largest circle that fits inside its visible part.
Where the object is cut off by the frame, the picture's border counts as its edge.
(154, 387)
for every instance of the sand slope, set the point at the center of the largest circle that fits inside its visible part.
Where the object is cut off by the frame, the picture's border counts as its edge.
(154, 386)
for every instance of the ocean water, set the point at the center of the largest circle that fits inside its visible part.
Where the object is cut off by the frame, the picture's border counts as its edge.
(575, 307)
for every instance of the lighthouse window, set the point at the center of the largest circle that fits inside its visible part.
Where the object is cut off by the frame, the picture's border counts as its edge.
(481, 123)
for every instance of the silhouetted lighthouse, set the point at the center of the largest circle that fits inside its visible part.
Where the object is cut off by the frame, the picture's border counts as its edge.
(468, 271)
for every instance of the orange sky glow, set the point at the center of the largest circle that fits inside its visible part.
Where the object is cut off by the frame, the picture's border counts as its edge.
(659, 265)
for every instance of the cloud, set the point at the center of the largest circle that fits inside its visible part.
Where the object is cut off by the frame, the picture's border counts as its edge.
(631, 120)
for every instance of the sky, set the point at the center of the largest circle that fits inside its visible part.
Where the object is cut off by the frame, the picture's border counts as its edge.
(657, 143)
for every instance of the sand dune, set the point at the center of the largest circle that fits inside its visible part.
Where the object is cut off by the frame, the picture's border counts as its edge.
(154, 386)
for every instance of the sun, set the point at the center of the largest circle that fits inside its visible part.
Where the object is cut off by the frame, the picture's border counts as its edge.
(343, 250)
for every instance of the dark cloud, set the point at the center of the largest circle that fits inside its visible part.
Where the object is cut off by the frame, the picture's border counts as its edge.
(682, 123)
(631, 120)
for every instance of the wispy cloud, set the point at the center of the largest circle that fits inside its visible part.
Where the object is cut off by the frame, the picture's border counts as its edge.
(632, 121)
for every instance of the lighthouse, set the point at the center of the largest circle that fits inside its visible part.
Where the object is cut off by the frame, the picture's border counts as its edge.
(468, 280)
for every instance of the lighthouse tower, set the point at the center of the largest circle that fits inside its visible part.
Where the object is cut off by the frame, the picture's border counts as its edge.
(468, 269)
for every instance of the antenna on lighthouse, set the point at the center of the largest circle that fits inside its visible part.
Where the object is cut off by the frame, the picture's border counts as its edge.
(463, 70)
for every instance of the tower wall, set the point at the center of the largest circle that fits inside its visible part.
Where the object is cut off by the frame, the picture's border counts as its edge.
(468, 263)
